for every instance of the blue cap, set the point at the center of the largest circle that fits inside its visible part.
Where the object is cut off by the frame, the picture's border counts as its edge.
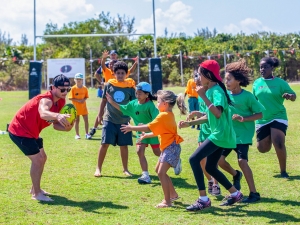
(78, 76)
(113, 52)
(144, 86)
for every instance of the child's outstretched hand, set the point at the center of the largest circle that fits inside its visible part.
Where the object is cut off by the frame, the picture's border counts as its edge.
(192, 115)
(183, 124)
(142, 137)
(287, 96)
(105, 54)
(126, 128)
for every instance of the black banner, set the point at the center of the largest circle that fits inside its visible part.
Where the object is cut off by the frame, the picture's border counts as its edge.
(155, 74)
(35, 79)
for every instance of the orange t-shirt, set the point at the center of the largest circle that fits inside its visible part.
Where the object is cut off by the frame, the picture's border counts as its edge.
(79, 93)
(164, 126)
(109, 74)
(190, 89)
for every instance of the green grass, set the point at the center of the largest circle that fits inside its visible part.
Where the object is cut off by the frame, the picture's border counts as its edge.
(115, 199)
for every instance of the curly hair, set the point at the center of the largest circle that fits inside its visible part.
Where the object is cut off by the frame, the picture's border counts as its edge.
(120, 65)
(171, 99)
(240, 71)
(272, 61)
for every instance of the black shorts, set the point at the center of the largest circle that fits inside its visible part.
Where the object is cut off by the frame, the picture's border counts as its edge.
(265, 131)
(111, 134)
(241, 151)
(29, 146)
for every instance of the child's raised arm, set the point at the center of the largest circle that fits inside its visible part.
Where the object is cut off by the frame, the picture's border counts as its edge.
(112, 102)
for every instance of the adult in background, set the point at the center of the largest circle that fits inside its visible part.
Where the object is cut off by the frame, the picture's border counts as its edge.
(37, 114)
(271, 92)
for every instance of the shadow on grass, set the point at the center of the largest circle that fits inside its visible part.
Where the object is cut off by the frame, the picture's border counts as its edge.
(238, 209)
(88, 206)
(95, 139)
(288, 179)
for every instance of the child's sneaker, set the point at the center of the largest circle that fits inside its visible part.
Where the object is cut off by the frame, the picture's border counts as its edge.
(230, 200)
(216, 190)
(77, 137)
(284, 174)
(253, 197)
(178, 168)
(144, 179)
(198, 127)
(88, 136)
(199, 205)
(210, 187)
(92, 132)
(237, 180)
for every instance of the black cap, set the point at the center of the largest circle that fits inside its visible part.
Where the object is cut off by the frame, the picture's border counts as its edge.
(61, 80)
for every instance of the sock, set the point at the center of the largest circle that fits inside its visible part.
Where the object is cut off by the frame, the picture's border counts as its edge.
(203, 198)
(211, 181)
(216, 185)
(234, 193)
(146, 173)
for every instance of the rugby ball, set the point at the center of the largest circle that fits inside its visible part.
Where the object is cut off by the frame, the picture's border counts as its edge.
(69, 109)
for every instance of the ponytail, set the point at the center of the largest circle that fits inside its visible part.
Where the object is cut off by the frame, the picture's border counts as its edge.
(181, 104)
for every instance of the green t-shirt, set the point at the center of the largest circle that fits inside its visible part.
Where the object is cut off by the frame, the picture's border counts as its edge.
(222, 132)
(244, 104)
(141, 113)
(269, 93)
(204, 128)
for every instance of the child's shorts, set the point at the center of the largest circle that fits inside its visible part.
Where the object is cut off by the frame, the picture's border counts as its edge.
(111, 134)
(171, 154)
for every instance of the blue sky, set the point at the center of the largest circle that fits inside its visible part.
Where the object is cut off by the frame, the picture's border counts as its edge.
(187, 16)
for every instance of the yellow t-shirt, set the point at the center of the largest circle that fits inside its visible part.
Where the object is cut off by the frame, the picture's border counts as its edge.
(79, 93)
(190, 89)
(164, 126)
(109, 74)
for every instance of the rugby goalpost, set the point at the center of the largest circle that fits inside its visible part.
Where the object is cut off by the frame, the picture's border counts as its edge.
(88, 35)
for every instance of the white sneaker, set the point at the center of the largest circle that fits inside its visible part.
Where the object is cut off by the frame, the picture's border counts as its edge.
(144, 179)
(178, 168)
(77, 137)
(88, 136)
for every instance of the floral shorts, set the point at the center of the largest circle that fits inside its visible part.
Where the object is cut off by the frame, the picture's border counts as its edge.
(171, 154)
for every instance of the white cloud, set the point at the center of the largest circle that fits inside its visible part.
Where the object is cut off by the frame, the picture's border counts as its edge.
(17, 19)
(248, 26)
(175, 19)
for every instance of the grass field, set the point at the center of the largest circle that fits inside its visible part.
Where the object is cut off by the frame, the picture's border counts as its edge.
(80, 198)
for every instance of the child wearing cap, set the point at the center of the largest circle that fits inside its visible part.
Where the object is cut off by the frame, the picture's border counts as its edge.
(78, 95)
(142, 111)
(122, 91)
(222, 135)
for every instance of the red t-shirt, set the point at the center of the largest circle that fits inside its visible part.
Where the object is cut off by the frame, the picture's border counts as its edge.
(27, 121)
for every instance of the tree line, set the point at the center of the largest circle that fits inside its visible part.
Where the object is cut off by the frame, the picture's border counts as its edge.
(202, 45)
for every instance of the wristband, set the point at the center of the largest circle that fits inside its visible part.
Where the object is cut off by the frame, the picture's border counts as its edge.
(210, 105)
(242, 120)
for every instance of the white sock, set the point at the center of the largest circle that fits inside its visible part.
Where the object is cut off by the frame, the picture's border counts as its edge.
(203, 198)
(234, 193)
(146, 173)
(211, 181)
(216, 185)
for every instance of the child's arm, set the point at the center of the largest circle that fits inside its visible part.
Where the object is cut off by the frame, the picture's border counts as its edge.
(112, 102)
(201, 120)
(132, 69)
(101, 110)
(77, 100)
(104, 57)
(127, 128)
(145, 135)
(255, 116)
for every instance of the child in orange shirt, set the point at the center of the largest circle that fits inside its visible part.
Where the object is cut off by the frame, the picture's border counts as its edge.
(164, 126)
(78, 95)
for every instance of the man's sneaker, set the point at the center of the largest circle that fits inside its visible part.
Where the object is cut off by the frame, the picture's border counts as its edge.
(178, 168)
(253, 197)
(237, 180)
(92, 132)
(77, 137)
(88, 136)
(284, 174)
(230, 200)
(199, 205)
(144, 179)
(210, 187)
(216, 190)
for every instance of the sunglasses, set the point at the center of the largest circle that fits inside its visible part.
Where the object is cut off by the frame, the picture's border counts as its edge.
(62, 90)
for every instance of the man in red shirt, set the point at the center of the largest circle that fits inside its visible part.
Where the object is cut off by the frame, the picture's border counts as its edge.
(37, 114)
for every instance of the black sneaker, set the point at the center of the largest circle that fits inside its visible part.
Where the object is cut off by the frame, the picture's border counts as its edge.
(193, 126)
(284, 174)
(230, 200)
(92, 132)
(237, 180)
(253, 197)
(198, 127)
(199, 205)
(209, 187)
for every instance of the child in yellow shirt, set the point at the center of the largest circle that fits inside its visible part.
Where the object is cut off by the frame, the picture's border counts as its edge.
(78, 95)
